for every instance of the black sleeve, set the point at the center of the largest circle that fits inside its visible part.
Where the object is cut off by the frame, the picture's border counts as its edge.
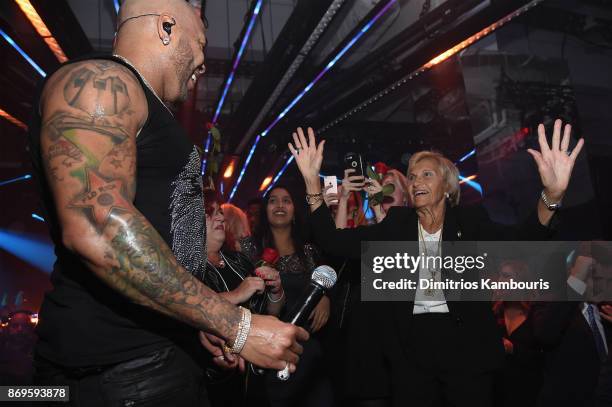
(342, 242)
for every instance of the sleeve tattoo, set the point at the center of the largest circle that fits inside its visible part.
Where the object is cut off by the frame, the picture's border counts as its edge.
(88, 146)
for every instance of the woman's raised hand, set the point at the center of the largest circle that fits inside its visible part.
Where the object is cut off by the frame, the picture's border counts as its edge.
(307, 154)
(555, 163)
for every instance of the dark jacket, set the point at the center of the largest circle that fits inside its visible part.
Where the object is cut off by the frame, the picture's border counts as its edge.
(480, 338)
(572, 365)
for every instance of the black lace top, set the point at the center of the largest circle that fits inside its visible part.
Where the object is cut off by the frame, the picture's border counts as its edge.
(295, 271)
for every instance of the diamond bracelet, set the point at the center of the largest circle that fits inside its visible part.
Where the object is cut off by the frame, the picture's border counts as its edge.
(243, 331)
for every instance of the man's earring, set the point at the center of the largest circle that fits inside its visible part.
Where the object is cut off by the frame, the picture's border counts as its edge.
(166, 41)
(447, 195)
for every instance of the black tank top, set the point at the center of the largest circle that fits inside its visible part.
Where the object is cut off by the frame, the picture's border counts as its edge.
(83, 322)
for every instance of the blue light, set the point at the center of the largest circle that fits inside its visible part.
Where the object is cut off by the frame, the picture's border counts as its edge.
(468, 155)
(471, 183)
(38, 217)
(29, 248)
(117, 5)
(10, 181)
(308, 87)
(205, 155)
(227, 86)
(243, 44)
(278, 175)
(244, 167)
(22, 52)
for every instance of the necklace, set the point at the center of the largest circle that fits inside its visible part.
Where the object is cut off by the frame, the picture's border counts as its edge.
(220, 262)
(434, 273)
(125, 60)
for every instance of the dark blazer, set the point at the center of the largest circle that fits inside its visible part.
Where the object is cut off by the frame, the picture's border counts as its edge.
(572, 365)
(480, 339)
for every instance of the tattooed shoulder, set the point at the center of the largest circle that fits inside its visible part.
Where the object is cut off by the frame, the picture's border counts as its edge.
(91, 114)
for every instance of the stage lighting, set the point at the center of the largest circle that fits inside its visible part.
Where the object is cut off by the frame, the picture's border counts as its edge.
(279, 174)
(468, 181)
(38, 217)
(41, 29)
(366, 27)
(13, 119)
(17, 179)
(22, 52)
(265, 183)
(231, 76)
(29, 248)
(229, 171)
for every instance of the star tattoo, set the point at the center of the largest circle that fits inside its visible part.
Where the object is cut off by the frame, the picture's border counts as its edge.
(101, 197)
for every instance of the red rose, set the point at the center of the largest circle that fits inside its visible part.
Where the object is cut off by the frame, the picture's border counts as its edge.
(269, 257)
(381, 168)
(209, 125)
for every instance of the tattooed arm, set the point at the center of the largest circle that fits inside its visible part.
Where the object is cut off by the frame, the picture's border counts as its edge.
(92, 112)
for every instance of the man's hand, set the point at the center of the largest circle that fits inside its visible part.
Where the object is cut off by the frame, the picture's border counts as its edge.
(273, 344)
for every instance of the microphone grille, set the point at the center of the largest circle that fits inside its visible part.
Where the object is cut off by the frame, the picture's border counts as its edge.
(325, 276)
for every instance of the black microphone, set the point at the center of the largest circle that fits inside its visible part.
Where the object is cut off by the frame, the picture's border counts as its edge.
(323, 278)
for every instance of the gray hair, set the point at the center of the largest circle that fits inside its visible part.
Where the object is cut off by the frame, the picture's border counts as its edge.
(450, 173)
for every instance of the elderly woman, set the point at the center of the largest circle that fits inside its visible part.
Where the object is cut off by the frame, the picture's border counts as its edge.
(233, 276)
(434, 350)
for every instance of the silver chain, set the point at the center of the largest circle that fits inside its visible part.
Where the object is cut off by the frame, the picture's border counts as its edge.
(125, 60)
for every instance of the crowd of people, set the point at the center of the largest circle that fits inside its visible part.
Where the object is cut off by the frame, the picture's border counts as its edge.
(165, 295)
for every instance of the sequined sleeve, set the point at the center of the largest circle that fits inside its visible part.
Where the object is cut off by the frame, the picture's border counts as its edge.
(249, 248)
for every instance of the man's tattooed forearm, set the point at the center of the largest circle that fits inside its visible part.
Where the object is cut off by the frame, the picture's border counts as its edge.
(143, 258)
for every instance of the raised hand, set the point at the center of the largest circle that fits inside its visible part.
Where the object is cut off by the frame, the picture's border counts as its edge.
(555, 163)
(307, 154)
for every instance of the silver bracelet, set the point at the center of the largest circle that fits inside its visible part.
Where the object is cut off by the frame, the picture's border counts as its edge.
(243, 331)
(275, 301)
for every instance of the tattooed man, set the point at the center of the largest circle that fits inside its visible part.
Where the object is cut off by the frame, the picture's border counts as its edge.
(122, 190)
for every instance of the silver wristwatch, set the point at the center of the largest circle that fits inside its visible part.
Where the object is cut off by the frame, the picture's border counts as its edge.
(550, 205)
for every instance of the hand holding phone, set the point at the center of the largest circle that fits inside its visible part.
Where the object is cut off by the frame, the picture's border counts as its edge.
(330, 186)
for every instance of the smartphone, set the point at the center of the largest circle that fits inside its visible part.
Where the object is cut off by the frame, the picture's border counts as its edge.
(331, 182)
(354, 161)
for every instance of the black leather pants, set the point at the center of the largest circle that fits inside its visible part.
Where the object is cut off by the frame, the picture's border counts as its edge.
(166, 377)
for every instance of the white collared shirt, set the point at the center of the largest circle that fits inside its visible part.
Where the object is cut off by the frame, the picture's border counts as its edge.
(422, 303)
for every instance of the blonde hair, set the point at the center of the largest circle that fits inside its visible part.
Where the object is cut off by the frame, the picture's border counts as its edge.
(450, 173)
(236, 224)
